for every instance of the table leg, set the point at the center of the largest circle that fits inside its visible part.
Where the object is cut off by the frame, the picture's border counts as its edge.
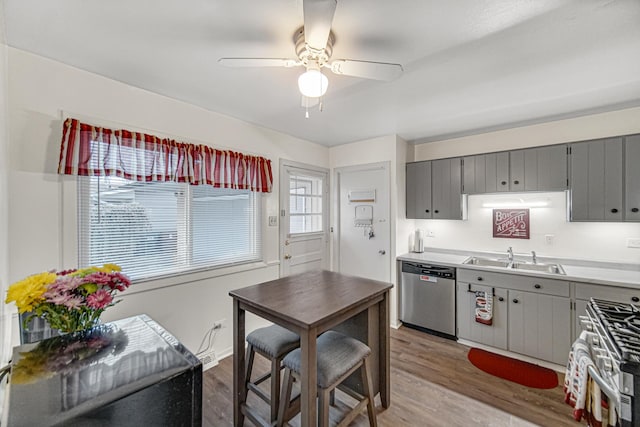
(385, 352)
(239, 395)
(308, 378)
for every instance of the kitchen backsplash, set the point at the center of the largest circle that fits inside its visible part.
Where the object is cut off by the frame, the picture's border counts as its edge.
(551, 234)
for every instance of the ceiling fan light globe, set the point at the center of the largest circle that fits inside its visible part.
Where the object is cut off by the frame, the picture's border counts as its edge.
(313, 83)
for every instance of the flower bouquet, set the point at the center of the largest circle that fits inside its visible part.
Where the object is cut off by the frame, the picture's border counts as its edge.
(69, 300)
(67, 354)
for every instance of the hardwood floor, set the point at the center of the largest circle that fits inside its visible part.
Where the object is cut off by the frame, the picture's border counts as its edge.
(432, 384)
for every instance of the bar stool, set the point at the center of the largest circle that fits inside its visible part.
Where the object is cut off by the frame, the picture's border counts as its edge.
(338, 357)
(272, 342)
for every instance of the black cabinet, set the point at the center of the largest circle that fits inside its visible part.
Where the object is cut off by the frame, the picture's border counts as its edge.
(130, 372)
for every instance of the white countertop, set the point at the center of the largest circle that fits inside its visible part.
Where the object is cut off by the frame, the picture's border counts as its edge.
(623, 275)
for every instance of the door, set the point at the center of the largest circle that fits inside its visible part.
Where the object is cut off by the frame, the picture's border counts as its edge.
(304, 218)
(363, 246)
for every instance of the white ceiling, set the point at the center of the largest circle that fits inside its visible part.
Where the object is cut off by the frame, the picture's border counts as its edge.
(470, 65)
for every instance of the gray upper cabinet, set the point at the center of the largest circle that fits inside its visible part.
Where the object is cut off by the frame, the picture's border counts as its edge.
(596, 180)
(419, 190)
(446, 188)
(632, 177)
(533, 169)
(434, 189)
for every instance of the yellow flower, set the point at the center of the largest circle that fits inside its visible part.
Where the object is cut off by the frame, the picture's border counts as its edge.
(108, 268)
(27, 293)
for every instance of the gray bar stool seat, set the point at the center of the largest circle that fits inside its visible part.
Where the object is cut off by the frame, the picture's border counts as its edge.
(338, 356)
(274, 343)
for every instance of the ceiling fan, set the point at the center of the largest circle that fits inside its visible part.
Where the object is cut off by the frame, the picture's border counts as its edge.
(314, 46)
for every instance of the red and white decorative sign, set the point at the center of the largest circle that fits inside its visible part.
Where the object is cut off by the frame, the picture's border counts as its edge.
(511, 223)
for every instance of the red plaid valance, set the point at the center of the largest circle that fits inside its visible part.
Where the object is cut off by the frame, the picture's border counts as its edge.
(89, 150)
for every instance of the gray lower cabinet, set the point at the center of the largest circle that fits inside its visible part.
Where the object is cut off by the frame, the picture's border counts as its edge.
(531, 169)
(605, 179)
(532, 315)
(434, 189)
(494, 335)
(540, 325)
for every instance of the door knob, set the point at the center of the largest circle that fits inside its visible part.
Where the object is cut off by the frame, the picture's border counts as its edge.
(382, 252)
(287, 256)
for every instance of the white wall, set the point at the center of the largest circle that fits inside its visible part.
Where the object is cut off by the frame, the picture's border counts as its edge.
(42, 205)
(5, 324)
(377, 150)
(595, 241)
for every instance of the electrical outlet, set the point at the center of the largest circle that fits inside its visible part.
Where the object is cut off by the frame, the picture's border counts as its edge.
(633, 242)
(208, 359)
(431, 233)
(220, 324)
(273, 221)
(548, 239)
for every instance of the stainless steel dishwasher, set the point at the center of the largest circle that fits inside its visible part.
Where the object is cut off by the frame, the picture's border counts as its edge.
(428, 298)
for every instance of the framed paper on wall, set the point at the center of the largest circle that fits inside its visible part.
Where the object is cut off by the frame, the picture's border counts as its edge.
(511, 223)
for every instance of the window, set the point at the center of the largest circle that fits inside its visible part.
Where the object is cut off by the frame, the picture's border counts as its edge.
(305, 204)
(154, 229)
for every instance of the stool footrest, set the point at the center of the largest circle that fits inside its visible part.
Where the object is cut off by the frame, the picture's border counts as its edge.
(261, 394)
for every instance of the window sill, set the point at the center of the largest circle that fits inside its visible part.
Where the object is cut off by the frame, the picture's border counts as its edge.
(178, 279)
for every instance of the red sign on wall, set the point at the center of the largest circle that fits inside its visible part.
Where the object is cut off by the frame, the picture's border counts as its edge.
(511, 223)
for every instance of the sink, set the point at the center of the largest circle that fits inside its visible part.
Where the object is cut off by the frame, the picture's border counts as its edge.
(516, 265)
(545, 268)
(486, 262)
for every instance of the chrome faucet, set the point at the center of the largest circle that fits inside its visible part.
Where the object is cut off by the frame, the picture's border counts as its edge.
(510, 254)
(533, 255)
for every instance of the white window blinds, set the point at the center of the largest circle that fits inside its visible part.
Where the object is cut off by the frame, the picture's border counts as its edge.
(154, 229)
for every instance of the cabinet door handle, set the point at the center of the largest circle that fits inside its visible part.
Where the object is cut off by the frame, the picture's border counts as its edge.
(635, 299)
(436, 211)
(426, 210)
(480, 279)
(504, 183)
(516, 182)
(500, 299)
(614, 210)
(515, 301)
(634, 210)
(537, 286)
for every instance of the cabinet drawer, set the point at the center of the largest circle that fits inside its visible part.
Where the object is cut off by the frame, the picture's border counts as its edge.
(515, 281)
(585, 291)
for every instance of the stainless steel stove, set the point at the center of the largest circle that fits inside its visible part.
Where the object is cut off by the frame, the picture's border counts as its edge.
(614, 341)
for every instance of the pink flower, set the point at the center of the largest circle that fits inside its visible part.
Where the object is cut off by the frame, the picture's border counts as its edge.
(65, 283)
(73, 302)
(99, 299)
(99, 278)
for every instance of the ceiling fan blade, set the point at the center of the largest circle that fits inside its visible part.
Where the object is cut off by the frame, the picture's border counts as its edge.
(258, 62)
(366, 69)
(318, 16)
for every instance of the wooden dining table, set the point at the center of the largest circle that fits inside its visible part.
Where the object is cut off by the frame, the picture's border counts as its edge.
(309, 304)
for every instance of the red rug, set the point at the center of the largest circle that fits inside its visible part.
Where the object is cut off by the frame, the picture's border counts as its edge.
(524, 373)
